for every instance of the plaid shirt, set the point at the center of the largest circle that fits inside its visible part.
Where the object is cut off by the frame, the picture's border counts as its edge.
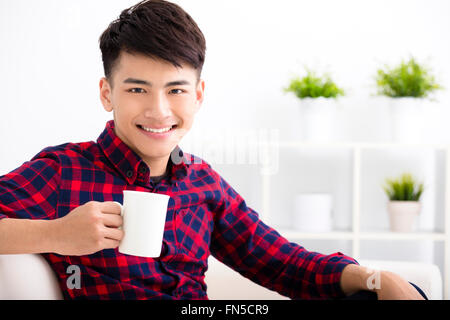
(205, 216)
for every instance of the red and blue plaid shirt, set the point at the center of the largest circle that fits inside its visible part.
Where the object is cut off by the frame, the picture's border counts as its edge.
(205, 216)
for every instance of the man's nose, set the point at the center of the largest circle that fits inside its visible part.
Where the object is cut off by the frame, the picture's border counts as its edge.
(158, 107)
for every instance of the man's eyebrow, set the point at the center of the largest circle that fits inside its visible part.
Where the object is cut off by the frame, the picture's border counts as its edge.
(137, 81)
(149, 84)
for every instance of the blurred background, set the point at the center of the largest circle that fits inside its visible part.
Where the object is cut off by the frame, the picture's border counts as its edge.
(50, 66)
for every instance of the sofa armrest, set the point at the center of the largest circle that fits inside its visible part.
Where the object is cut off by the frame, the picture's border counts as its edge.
(223, 283)
(426, 276)
(27, 277)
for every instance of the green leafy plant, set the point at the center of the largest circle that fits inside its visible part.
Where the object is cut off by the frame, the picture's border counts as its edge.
(314, 86)
(409, 79)
(405, 188)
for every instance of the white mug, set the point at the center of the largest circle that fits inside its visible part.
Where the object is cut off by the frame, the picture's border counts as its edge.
(144, 217)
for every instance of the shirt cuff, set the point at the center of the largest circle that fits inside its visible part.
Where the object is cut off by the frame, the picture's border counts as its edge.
(329, 279)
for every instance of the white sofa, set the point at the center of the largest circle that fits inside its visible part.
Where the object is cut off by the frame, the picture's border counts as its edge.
(29, 277)
(224, 283)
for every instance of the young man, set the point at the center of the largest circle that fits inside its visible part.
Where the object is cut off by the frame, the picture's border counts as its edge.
(61, 202)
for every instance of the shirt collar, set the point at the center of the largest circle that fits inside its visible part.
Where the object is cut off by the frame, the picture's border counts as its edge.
(127, 162)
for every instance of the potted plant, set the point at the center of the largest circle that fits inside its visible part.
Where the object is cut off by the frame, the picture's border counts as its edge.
(318, 104)
(406, 85)
(403, 206)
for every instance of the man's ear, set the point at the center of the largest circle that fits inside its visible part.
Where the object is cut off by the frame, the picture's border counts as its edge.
(200, 93)
(105, 94)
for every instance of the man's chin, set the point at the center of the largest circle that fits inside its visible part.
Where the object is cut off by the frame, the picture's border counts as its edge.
(156, 154)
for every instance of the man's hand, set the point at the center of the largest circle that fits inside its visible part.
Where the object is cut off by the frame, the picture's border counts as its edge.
(387, 285)
(88, 228)
(394, 287)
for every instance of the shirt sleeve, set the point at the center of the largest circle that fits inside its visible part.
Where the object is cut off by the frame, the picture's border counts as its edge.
(31, 191)
(258, 252)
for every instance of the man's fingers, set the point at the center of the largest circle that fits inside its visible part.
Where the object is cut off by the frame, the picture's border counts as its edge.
(112, 220)
(111, 207)
(110, 243)
(113, 234)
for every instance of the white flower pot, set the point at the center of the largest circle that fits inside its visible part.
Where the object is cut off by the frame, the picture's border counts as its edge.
(313, 212)
(318, 116)
(403, 214)
(407, 119)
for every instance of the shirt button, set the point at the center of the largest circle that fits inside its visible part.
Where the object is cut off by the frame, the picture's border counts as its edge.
(143, 170)
(129, 173)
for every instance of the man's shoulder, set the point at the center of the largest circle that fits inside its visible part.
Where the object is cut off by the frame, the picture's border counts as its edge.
(66, 151)
(194, 161)
(50, 161)
(197, 165)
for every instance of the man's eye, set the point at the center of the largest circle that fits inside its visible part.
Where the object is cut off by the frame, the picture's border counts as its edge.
(136, 90)
(176, 91)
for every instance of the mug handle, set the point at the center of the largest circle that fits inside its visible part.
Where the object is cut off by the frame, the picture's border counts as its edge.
(121, 212)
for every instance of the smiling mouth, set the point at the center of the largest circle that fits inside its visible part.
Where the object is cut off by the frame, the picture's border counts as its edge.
(163, 130)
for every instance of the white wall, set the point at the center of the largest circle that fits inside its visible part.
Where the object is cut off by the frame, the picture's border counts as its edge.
(50, 66)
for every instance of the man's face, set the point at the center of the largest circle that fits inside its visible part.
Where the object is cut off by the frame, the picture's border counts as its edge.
(147, 97)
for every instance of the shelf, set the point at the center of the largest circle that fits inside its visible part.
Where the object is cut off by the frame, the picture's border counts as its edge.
(333, 235)
(348, 235)
(387, 235)
(362, 145)
(350, 170)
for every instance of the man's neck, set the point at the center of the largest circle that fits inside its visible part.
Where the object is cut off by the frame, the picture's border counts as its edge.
(158, 167)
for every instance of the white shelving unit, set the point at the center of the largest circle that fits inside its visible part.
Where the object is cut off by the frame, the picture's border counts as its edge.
(356, 235)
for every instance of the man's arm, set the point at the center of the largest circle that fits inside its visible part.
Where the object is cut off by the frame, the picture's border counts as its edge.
(26, 236)
(28, 200)
(258, 252)
(387, 285)
(28, 222)
(85, 230)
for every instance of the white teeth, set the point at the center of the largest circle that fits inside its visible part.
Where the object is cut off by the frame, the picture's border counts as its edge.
(156, 130)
